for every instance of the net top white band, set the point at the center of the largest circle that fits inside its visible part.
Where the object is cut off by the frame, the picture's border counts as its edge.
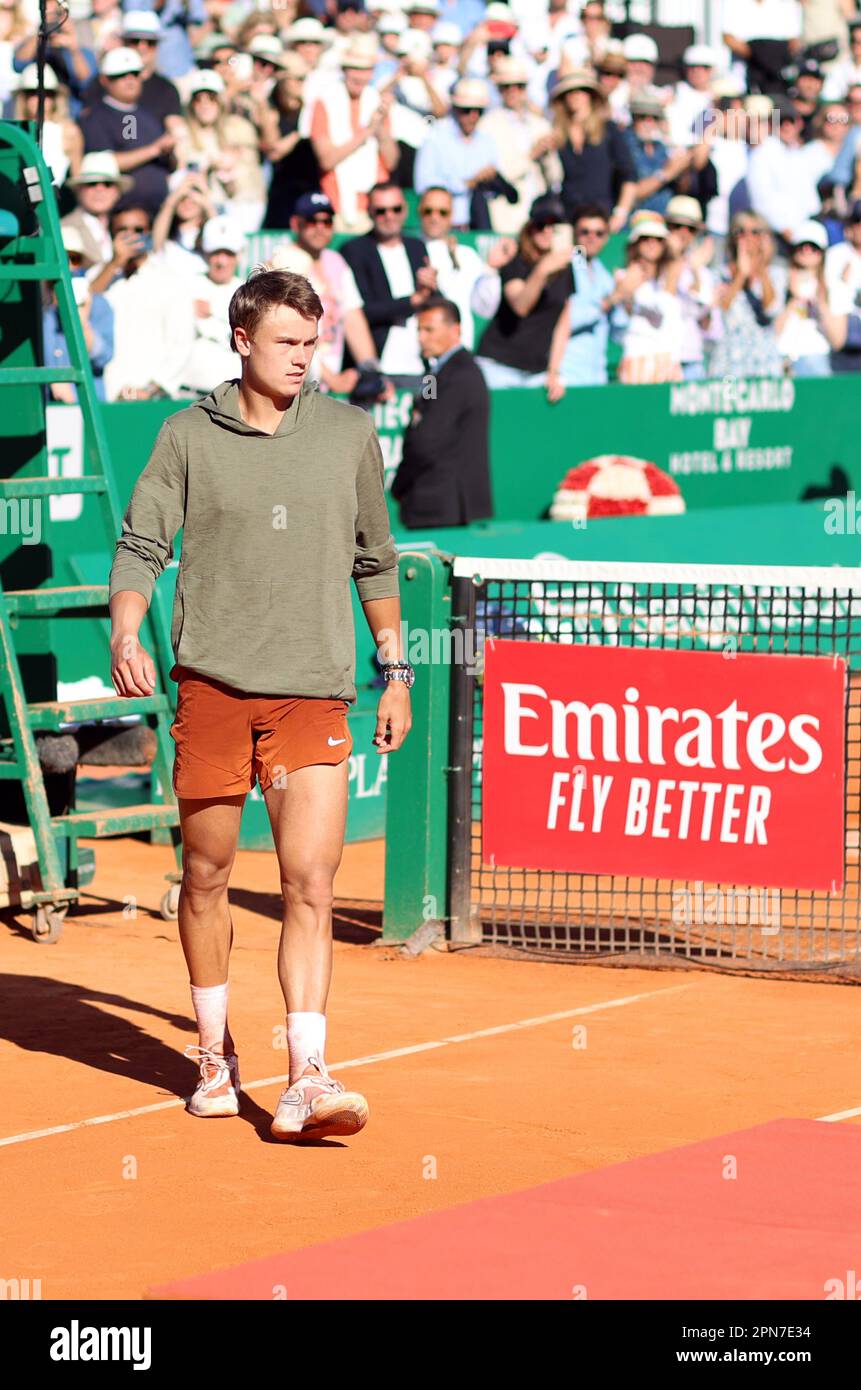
(825, 579)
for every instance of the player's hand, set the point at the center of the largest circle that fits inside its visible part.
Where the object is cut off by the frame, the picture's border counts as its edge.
(132, 668)
(394, 717)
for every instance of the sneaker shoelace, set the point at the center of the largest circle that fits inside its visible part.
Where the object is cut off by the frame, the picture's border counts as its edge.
(210, 1063)
(324, 1081)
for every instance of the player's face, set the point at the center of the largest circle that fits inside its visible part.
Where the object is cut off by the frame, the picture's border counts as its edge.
(276, 359)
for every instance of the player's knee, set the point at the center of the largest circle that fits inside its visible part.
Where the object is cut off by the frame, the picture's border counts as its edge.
(313, 889)
(204, 874)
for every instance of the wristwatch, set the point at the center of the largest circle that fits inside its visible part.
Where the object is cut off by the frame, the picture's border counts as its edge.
(399, 671)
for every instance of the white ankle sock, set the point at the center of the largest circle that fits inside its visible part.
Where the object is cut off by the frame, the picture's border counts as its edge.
(210, 1010)
(306, 1036)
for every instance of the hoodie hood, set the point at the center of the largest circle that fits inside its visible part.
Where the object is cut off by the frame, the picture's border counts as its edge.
(222, 407)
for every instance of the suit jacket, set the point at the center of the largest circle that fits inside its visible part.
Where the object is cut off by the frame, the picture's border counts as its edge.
(444, 475)
(381, 310)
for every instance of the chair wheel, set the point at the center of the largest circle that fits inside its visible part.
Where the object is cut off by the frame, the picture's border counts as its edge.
(47, 925)
(169, 905)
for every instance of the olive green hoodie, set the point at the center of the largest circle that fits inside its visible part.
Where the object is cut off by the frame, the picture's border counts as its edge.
(275, 526)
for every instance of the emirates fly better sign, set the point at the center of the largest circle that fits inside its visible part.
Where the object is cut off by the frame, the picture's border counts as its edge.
(666, 764)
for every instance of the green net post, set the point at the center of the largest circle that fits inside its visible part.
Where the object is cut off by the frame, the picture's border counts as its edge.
(417, 787)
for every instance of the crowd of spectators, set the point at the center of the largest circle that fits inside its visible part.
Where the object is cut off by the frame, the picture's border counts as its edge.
(175, 131)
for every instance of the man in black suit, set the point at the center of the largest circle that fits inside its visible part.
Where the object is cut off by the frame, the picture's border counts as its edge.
(444, 475)
(395, 279)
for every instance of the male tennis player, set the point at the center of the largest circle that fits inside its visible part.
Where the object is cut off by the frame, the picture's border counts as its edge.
(280, 493)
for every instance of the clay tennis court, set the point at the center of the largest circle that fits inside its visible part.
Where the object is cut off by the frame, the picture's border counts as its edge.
(537, 1129)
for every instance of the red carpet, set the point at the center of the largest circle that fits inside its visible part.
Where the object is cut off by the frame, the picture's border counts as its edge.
(664, 1227)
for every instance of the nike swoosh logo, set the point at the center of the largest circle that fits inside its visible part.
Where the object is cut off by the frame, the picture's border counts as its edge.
(333, 742)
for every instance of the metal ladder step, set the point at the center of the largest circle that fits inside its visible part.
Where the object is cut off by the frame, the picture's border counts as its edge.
(40, 376)
(43, 603)
(52, 714)
(51, 487)
(128, 820)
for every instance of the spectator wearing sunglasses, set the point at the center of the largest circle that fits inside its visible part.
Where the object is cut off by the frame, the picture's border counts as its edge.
(142, 33)
(457, 155)
(153, 314)
(343, 321)
(536, 285)
(395, 278)
(750, 296)
(695, 289)
(458, 267)
(578, 352)
(98, 187)
(806, 328)
(527, 148)
(97, 323)
(118, 122)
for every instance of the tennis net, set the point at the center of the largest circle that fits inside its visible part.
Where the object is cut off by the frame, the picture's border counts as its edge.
(673, 916)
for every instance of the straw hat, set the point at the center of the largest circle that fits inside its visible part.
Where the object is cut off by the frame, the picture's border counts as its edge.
(100, 166)
(685, 210)
(470, 92)
(653, 225)
(577, 80)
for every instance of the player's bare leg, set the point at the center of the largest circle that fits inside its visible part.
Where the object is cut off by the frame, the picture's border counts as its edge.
(308, 813)
(210, 835)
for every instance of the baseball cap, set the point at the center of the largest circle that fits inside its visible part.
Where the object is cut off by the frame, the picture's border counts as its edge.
(222, 234)
(699, 55)
(392, 23)
(808, 67)
(206, 81)
(547, 208)
(640, 48)
(309, 204)
(118, 62)
(447, 32)
(414, 43)
(141, 23)
(813, 232)
(29, 79)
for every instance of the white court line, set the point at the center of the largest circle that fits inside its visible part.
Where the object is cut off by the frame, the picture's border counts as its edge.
(353, 1062)
(842, 1114)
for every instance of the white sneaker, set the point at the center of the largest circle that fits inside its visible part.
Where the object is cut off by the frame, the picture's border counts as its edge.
(217, 1091)
(317, 1106)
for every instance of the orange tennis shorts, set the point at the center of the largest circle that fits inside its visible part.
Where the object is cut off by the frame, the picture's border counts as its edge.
(227, 739)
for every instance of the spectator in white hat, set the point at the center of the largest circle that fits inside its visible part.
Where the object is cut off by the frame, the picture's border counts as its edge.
(153, 320)
(646, 313)
(390, 27)
(411, 83)
(692, 96)
(526, 144)
(97, 323)
(212, 358)
(62, 142)
(307, 38)
(98, 186)
(807, 329)
(457, 155)
(118, 122)
(583, 44)
(351, 135)
(226, 148)
(447, 42)
(422, 15)
(142, 32)
(696, 283)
